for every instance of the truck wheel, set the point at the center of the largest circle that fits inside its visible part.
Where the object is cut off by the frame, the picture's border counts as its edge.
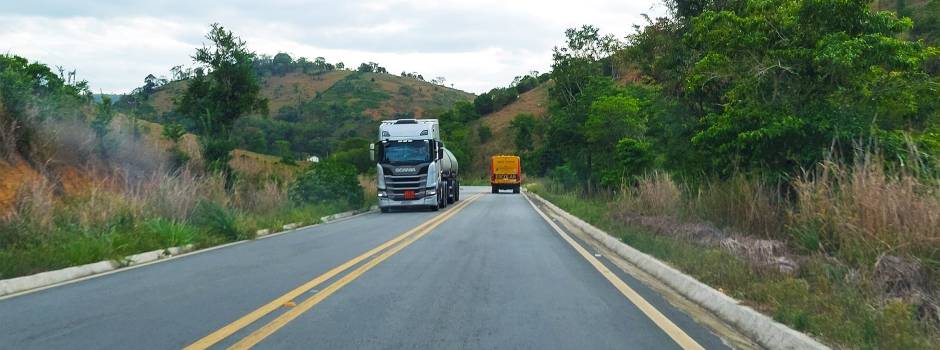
(451, 193)
(445, 195)
(515, 189)
(495, 189)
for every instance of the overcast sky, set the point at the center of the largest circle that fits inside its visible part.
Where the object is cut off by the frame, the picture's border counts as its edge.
(476, 45)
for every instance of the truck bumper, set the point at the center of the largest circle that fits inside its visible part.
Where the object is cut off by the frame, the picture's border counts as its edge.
(422, 202)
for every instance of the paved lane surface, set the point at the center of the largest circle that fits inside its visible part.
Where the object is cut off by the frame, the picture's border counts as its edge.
(488, 273)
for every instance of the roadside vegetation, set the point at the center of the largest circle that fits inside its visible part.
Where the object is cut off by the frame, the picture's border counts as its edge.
(784, 152)
(89, 183)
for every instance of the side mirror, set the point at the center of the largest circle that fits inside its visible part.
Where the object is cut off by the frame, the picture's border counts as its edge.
(372, 151)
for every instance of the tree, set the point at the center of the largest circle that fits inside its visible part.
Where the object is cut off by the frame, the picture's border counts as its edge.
(150, 85)
(282, 63)
(483, 103)
(176, 73)
(790, 80)
(365, 68)
(611, 120)
(526, 83)
(175, 132)
(102, 124)
(215, 100)
(523, 129)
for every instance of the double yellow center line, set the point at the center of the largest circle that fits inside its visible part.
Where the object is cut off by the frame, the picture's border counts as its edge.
(391, 247)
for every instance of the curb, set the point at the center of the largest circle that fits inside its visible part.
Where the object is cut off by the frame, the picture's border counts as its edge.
(48, 278)
(18, 285)
(343, 215)
(761, 328)
(323, 220)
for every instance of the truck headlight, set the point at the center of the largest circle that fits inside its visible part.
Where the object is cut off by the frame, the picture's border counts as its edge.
(382, 194)
(430, 192)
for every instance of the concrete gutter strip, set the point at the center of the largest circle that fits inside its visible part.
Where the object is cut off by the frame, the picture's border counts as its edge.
(51, 278)
(43, 279)
(343, 215)
(762, 329)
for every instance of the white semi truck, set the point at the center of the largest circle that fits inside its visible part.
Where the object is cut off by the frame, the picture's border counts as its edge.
(413, 168)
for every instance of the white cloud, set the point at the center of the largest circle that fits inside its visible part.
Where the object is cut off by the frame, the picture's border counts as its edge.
(476, 45)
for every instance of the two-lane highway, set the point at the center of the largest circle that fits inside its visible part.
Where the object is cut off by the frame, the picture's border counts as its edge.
(487, 273)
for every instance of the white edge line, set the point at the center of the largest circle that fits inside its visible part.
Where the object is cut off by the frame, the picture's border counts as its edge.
(659, 319)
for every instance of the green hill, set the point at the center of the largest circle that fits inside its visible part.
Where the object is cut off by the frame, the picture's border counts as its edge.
(310, 113)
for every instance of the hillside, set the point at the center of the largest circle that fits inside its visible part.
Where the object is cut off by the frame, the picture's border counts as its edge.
(310, 113)
(295, 88)
(245, 163)
(533, 102)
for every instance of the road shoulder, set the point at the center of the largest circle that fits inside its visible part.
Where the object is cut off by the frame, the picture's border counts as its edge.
(739, 325)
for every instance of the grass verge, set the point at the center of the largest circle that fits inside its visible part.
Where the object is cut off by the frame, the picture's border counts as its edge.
(822, 298)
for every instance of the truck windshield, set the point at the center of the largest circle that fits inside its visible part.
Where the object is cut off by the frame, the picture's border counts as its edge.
(413, 152)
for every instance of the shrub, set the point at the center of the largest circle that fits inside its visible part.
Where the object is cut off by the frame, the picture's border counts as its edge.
(565, 176)
(485, 133)
(216, 219)
(170, 233)
(326, 182)
(635, 156)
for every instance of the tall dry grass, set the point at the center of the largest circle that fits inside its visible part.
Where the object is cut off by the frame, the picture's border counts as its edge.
(655, 194)
(265, 197)
(176, 195)
(859, 209)
(369, 189)
(745, 203)
(863, 210)
(741, 203)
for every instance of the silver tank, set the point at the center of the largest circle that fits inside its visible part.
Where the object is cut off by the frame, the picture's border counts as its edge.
(449, 164)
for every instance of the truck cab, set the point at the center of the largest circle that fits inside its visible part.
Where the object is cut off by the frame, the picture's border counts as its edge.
(413, 168)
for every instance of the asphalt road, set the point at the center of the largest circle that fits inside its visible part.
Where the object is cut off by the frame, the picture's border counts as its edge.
(490, 273)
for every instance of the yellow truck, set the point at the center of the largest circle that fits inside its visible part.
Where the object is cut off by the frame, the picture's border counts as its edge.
(505, 173)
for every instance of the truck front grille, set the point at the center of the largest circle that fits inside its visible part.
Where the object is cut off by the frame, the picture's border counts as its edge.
(396, 186)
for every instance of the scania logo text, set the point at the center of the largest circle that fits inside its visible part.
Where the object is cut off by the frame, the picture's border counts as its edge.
(405, 170)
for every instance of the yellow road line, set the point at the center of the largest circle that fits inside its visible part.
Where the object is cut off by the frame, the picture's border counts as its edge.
(282, 320)
(260, 312)
(674, 332)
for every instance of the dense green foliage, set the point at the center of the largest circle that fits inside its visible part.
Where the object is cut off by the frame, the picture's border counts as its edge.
(767, 86)
(326, 182)
(31, 93)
